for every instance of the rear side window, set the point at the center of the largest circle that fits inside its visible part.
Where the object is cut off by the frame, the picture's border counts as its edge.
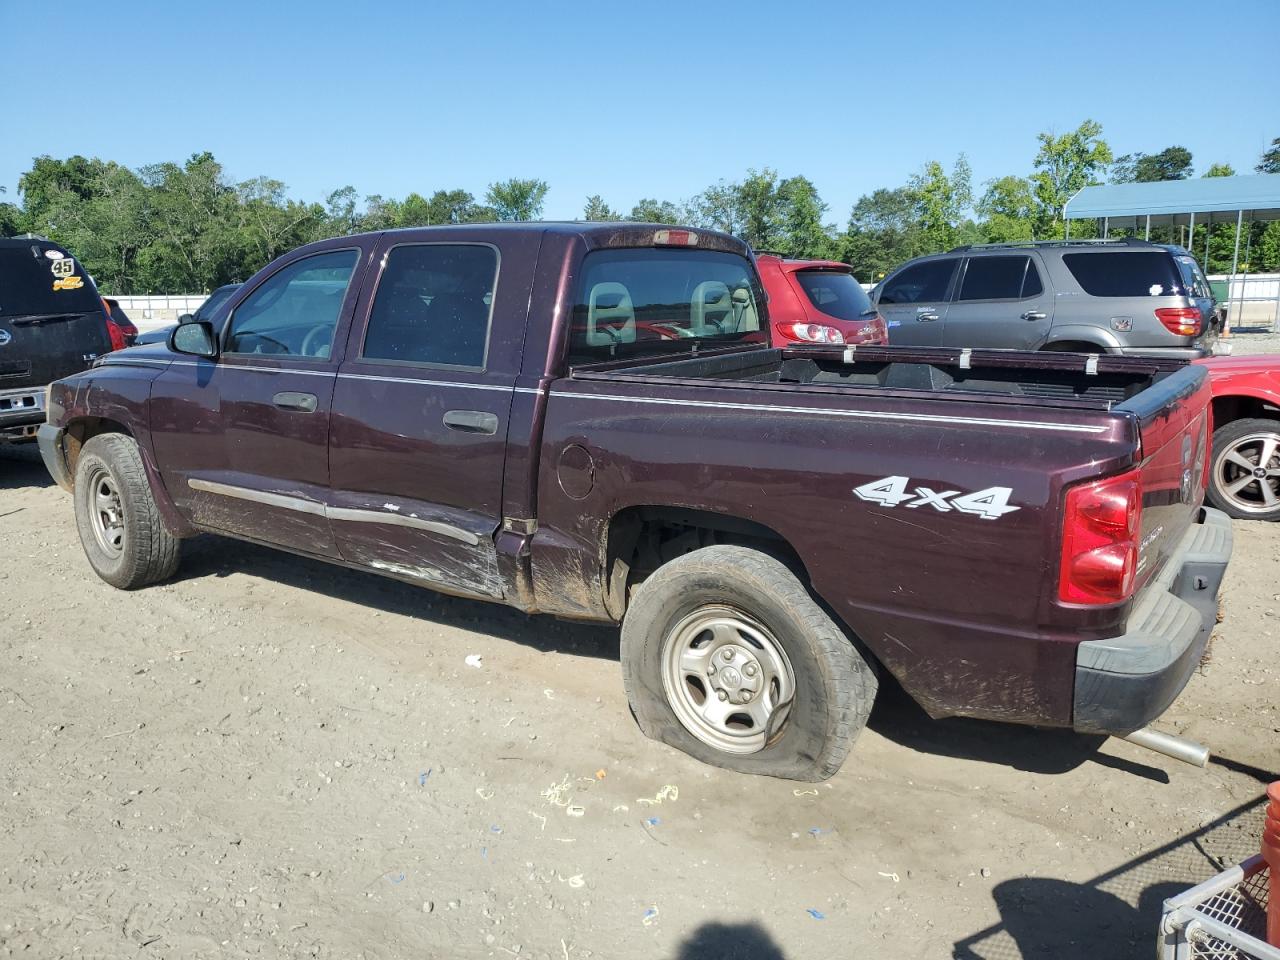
(999, 278)
(1192, 277)
(433, 305)
(1145, 274)
(836, 293)
(37, 280)
(643, 301)
(924, 283)
(295, 311)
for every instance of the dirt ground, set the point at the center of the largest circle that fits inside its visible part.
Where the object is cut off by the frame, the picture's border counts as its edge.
(274, 757)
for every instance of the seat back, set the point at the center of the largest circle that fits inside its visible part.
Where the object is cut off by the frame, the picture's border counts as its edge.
(611, 316)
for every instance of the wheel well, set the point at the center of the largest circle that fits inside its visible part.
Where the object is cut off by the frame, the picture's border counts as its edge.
(1073, 346)
(641, 539)
(1227, 409)
(80, 432)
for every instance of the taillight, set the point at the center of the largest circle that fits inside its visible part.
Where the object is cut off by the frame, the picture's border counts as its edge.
(1100, 530)
(813, 332)
(116, 335)
(675, 238)
(1184, 321)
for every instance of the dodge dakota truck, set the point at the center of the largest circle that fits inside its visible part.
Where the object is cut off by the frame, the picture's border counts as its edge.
(587, 420)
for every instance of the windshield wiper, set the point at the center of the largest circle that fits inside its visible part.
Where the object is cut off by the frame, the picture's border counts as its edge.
(31, 319)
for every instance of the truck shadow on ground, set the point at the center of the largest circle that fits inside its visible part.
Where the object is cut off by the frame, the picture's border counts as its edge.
(1117, 913)
(730, 941)
(21, 466)
(209, 556)
(1036, 750)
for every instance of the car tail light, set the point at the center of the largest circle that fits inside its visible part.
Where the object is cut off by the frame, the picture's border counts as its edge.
(1100, 530)
(813, 332)
(1184, 321)
(116, 335)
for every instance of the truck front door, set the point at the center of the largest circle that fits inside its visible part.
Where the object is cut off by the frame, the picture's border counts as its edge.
(241, 441)
(418, 443)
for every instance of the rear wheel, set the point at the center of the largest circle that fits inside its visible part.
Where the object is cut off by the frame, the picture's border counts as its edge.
(1244, 481)
(120, 528)
(726, 657)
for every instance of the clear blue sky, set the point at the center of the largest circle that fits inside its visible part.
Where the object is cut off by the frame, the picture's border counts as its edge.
(646, 98)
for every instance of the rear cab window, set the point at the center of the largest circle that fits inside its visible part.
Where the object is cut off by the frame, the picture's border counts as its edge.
(653, 301)
(1125, 274)
(835, 293)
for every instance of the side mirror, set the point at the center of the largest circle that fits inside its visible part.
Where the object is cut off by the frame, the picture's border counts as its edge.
(195, 337)
(185, 318)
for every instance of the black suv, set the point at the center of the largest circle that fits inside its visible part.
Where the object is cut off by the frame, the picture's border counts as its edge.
(52, 324)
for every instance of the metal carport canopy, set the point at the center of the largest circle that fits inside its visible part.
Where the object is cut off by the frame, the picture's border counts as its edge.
(1208, 199)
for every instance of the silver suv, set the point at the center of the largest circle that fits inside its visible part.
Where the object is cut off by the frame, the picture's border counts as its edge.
(1094, 296)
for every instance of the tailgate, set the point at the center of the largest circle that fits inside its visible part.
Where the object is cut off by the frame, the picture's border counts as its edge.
(37, 352)
(1173, 418)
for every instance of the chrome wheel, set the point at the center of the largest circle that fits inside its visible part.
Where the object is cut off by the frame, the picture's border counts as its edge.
(106, 515)
(1247, 473)
(727, 679)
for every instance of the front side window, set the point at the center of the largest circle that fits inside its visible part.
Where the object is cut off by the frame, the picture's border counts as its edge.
(1125, 274)
(995, 278)
(295, 311)
(433, 305)
(836, 293)
(650, 301)
(924, 283)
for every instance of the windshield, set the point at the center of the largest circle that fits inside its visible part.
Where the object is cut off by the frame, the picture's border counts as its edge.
(32, 282)
(836, 293)
(642, 301)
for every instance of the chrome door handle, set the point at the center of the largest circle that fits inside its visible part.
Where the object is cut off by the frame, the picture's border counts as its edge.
(471, 421)
(925, 317)
(1034, 315)
(289, 400)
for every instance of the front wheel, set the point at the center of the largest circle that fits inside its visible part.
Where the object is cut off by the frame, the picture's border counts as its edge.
(727, 657)
(1244, 481)
(120, 528)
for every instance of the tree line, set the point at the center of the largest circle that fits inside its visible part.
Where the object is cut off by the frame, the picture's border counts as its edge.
(184, 228)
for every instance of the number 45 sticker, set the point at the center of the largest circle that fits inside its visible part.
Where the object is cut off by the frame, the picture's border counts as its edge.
(989, 504)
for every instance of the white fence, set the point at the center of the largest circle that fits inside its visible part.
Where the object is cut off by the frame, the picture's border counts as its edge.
(1254, 299)
(147, 313)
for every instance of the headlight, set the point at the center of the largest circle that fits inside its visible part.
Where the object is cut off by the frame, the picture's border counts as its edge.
(814, 333)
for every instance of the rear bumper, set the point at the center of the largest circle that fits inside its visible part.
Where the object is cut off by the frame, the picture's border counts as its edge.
(21, 410)
(55, 461)
(1125, 682)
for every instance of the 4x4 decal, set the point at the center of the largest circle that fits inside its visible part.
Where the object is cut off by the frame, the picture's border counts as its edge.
(990, 503)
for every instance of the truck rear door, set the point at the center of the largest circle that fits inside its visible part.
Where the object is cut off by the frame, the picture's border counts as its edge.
(418, 442)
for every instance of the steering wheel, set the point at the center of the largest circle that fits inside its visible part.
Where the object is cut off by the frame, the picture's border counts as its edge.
(312, 340)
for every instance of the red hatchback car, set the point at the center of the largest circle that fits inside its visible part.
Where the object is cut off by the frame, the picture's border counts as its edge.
(818, 301)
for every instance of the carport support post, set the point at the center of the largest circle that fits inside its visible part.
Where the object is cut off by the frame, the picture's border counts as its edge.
(1235, 262)
(1148, 236)
(1106, 227)
(1191, 234)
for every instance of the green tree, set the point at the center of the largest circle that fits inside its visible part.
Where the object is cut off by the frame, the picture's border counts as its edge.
(884, 231)
(801, 212)
(941, 201)
(1220, 170)
(768, 213)
(459, 206)
(1063, 165)
(1171, 163)
(1007, 210)
(1269, 162)
(596, 209)
(517, 199)
(657, 211)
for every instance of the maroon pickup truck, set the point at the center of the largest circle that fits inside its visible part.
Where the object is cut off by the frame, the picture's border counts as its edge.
(587, 420)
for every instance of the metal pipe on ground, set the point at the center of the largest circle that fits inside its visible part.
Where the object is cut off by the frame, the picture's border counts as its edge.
(1179, 748)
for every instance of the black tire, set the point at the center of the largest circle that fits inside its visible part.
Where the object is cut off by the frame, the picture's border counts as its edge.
(1222, 472)
(834, 683)
(146, 551)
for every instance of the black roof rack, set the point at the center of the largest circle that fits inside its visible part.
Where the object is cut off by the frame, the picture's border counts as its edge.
(1016, 244)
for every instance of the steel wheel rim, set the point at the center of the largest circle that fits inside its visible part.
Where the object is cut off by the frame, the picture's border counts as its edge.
(1247, 473)
(106, 513)
(727, 679)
